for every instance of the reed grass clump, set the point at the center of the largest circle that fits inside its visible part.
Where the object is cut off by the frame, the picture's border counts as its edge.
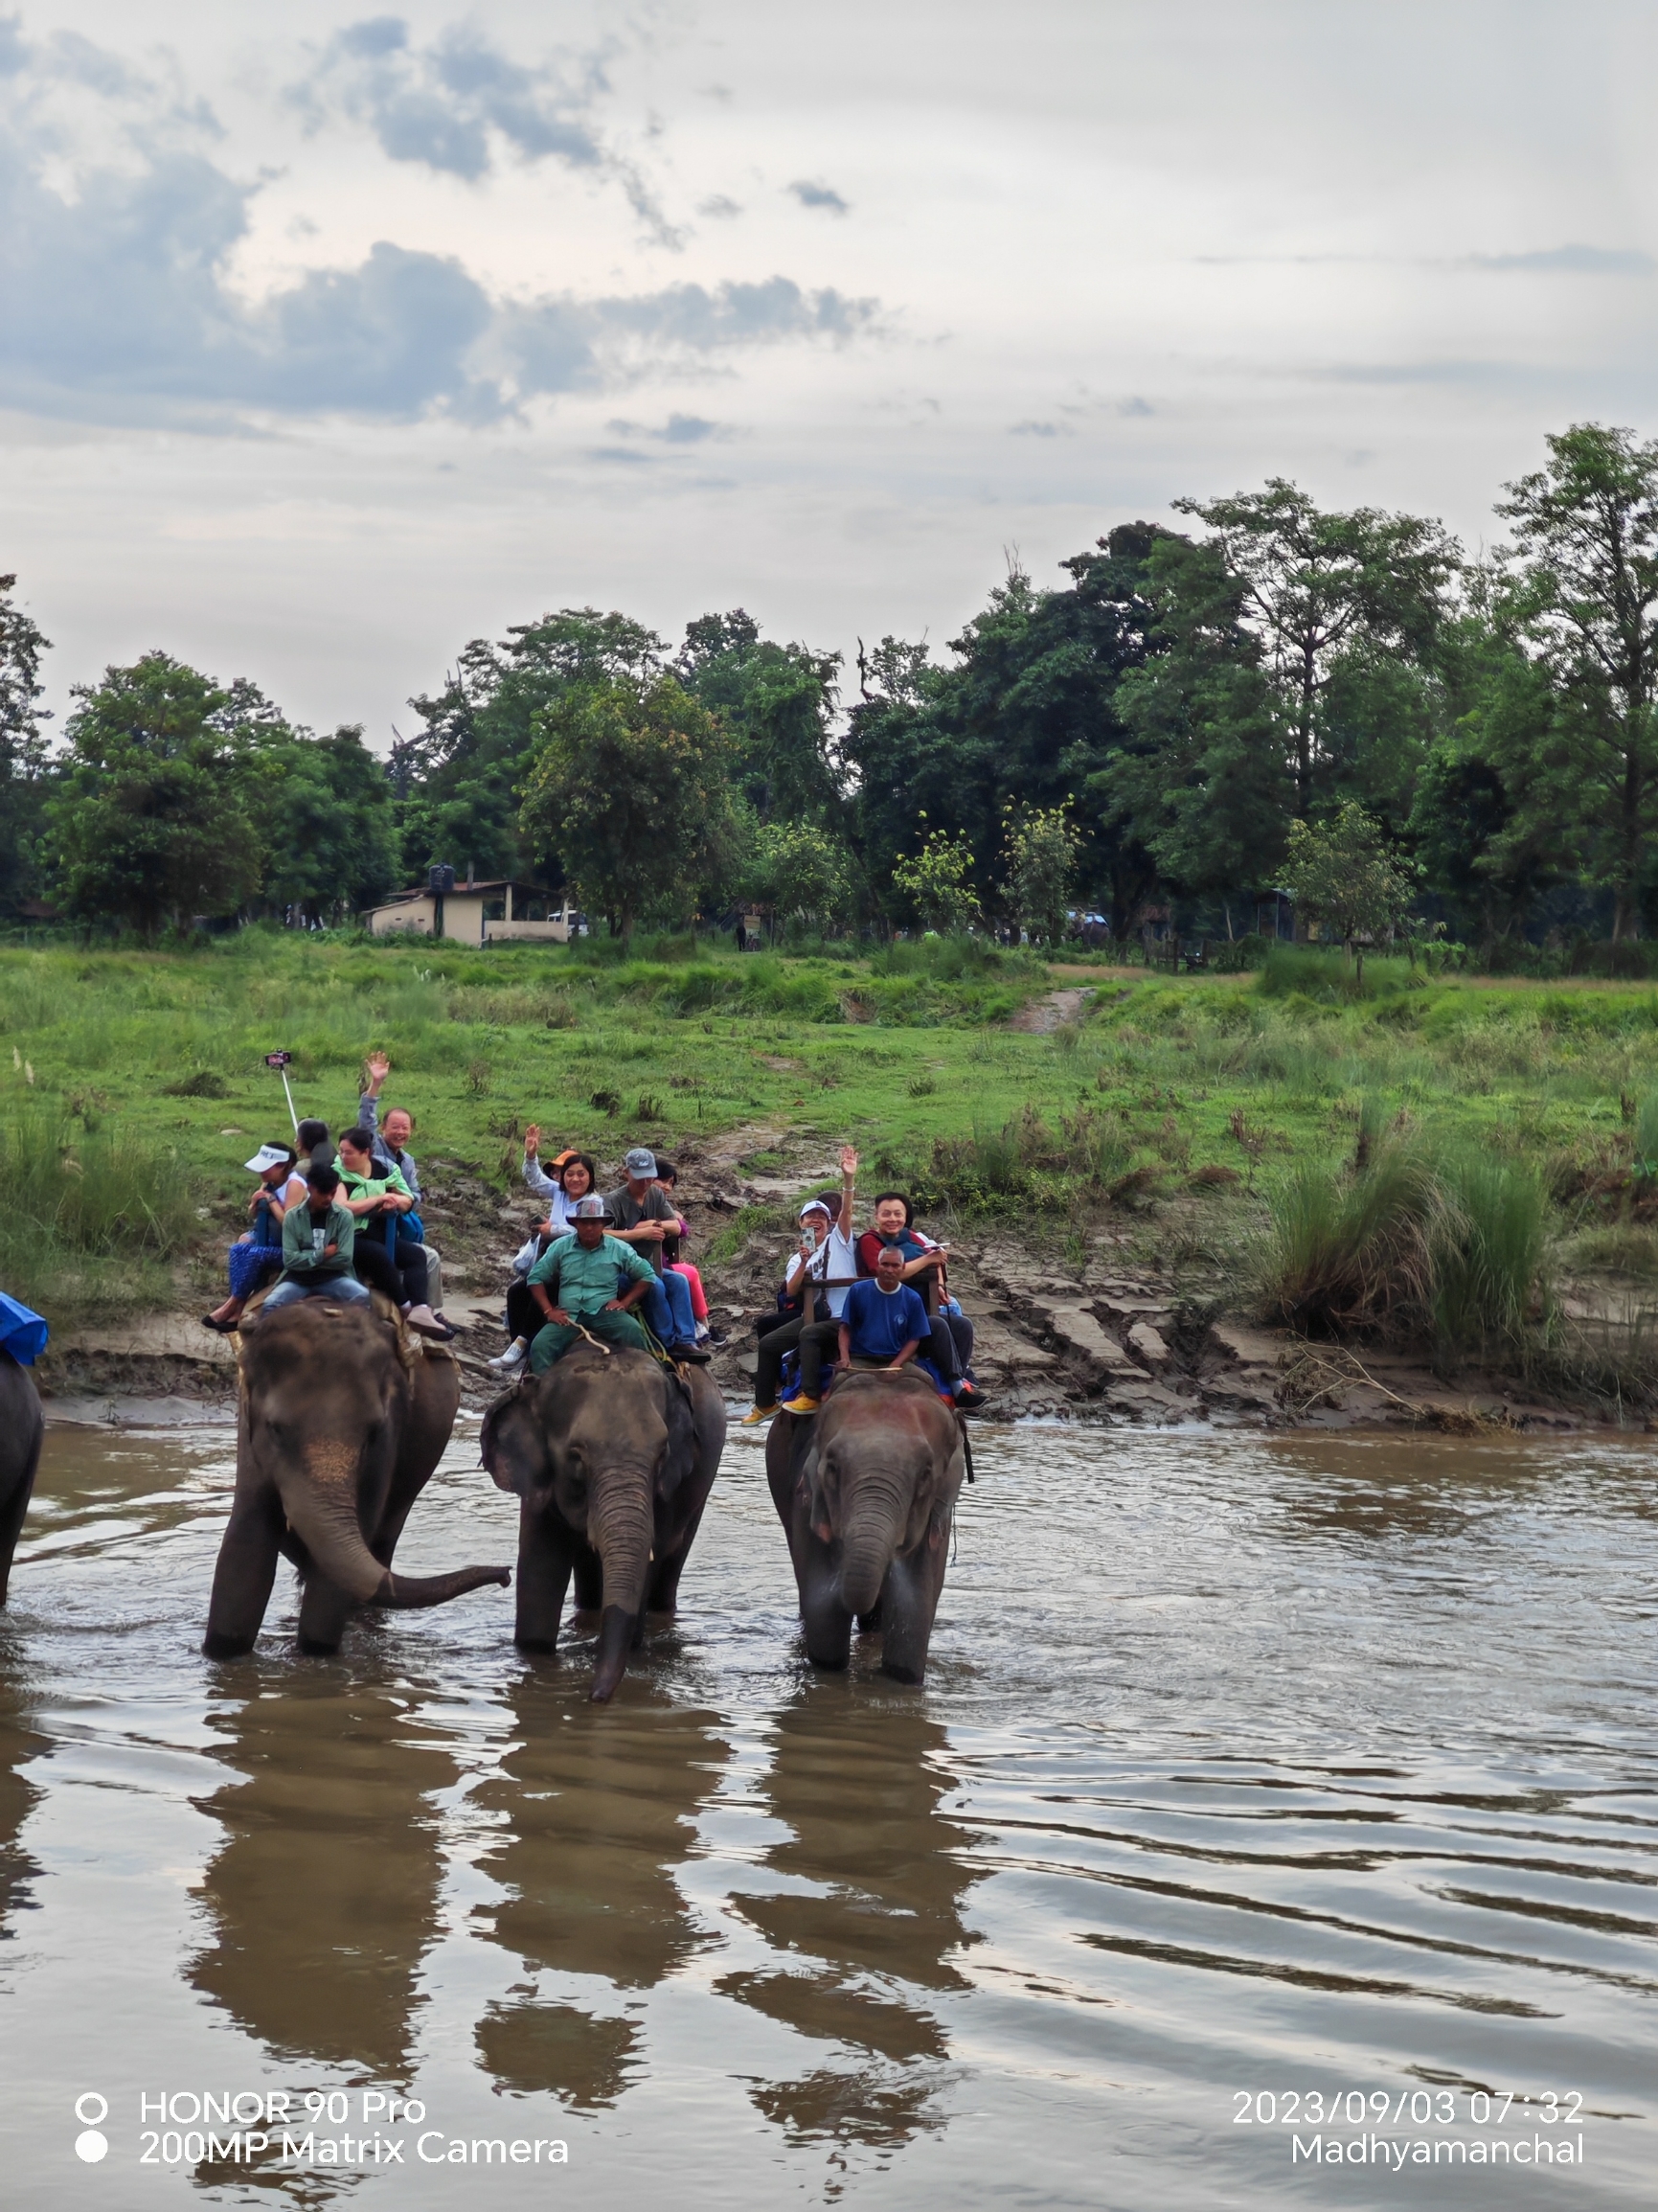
(1409, 1246)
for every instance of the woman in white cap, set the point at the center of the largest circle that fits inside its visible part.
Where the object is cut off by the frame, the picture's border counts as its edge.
(258, 1255)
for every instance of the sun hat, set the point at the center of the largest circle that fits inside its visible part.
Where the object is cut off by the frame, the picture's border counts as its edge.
(268, 1156)
(640, 1161)
(586, 1210)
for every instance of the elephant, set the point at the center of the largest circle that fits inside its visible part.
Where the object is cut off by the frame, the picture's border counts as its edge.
(612, 1455)
(866, 1489)
(342, 1418)
(22, 1426)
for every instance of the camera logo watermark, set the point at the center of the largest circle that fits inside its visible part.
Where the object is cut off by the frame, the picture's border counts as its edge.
(91, 2111)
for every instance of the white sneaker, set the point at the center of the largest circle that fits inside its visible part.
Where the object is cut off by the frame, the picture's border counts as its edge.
(512, 1360)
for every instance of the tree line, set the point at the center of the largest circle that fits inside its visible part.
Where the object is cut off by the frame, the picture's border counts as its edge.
(1275, 694)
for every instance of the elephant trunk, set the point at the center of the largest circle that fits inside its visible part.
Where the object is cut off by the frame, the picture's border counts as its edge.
(869, 1539)
(324, 1516)
(620, 1527)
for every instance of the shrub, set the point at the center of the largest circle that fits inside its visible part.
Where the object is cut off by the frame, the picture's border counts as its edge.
(203, 1084)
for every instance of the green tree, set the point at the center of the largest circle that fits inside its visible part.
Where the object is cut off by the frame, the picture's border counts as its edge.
(776, 702)
(1042, 845)
(628, 783)
(455, 781)
(1586, 603)
(938, 882)
(23, 775)
(1330, 596)
(151, 821)
(796, 870)
(331, 843)
(1026, 714)
(1199, 782)
(1343, 874)
(1485, 833)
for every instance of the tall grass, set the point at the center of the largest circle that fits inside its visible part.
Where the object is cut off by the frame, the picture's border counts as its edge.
(1411, 1246)
(1489, 1266)
(86, 1219)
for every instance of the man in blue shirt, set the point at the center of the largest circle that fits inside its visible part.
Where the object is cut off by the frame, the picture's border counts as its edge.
(883, 1322)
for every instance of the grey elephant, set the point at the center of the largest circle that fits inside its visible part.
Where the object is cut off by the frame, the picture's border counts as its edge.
(612, 1455)
(866, 1491)
(343, 1417)
(22, 1424)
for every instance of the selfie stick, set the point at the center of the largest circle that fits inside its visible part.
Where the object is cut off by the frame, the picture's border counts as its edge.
(279, 1062)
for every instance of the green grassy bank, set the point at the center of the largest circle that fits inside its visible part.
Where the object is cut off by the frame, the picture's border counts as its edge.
(1208, 1113)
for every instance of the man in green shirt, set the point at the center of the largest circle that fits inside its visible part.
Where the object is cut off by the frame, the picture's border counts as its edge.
(582, 1269)
(317, 1247)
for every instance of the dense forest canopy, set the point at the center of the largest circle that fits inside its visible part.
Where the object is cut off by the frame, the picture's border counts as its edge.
(1192, 717)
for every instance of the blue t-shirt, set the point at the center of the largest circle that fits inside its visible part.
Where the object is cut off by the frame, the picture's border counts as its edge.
(883, 1322)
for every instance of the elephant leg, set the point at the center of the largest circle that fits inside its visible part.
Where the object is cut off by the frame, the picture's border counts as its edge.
(323, 1611)
(242, 1579)
(544, 1561)
(589, 1581)
(664, 1594)
(827, 1625)
(909, 1601)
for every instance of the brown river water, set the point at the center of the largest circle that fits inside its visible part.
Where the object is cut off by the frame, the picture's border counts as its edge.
(1274, 1810)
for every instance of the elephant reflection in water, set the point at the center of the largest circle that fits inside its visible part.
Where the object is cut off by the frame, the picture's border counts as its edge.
(599, 1812)
(859, 1785)
(19, 1746)
(324, 1895)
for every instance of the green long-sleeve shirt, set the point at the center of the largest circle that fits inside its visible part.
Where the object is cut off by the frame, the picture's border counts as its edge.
(303, 1238)
(582, 1281)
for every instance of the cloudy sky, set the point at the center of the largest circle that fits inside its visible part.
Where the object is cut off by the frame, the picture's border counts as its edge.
(327, 346)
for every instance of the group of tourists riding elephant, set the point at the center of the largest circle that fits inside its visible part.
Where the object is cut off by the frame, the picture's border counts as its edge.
(343, 1418)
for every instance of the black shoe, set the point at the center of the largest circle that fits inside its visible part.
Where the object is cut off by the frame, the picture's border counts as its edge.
(695, 1353)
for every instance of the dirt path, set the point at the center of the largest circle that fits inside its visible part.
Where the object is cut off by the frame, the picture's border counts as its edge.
(1043, 1016)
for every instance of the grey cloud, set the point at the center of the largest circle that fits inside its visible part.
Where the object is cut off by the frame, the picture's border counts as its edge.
(677, 430)
(1135, 406)
(445, 106)
(624, 454)
(83, 63)
(120, 309)
(14, 49)
(721, 208)
(1572, 260)
(821, 195)
(440, 105)
(1038, 431)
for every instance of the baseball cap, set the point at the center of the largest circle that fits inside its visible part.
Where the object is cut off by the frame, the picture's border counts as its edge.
(814, 1206)
(640, 1161)
(267, 1157)
(586, 1210)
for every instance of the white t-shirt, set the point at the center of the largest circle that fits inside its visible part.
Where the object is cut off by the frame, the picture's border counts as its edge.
(835, 1265)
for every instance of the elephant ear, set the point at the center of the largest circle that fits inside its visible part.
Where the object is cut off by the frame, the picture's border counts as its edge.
(676, 1413)
(513, 1443)
(935, 1489)
(809, 1483)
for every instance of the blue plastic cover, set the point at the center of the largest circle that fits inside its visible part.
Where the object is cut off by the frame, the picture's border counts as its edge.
(22, 1333)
